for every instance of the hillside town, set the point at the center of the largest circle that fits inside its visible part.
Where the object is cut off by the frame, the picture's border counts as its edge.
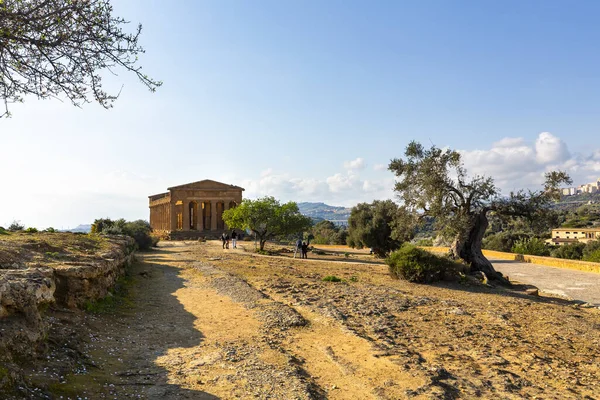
(593, 187)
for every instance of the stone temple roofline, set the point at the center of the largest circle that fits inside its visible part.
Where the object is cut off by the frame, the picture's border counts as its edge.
(159, 196)
(217, 185)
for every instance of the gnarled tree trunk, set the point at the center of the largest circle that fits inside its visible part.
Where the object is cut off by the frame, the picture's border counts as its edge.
(468, 248)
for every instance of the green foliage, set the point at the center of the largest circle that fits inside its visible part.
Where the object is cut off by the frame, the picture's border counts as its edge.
(38, 39)
(331, 278)
(139, 230)
(372, 225)
(326, 232)
(572, 251)
(353, 278)
(417, 265)
(531, 246)
(347, 255)
(503, 241)
(53, 254)
(591, 251)
(593, 256)
(425, 242)
(116, 298)
(31, 230)
(16, 226)
(267, 218)
(3, 231)
(50, 230)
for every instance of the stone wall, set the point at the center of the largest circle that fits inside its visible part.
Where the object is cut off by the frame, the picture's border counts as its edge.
(25, 293)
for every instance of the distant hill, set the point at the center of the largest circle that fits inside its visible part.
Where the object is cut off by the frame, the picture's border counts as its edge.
(572, 202)
(321, 211)
(85, 228)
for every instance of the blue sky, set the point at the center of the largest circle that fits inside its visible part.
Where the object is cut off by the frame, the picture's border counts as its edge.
(309, 100)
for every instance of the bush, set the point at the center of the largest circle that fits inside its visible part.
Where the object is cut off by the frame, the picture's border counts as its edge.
(593, 256)
(425, 242)
(417, 265)
(331, 278)
(569, 251)
(139, 230)
(503, 241)
(532, 247)
(591, 248)
(31, 230)
(50, 230)
(3, 231)
(16, 226)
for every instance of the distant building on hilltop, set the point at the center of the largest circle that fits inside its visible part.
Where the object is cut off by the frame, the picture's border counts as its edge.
(593, 187)
(193, 209)
(562, 236)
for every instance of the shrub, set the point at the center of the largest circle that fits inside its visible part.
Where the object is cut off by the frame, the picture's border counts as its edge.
(31, 230)
(331, 278)
(532, 247)
(3, 231)
(425, 242)
(16, 226)
(503, 241)
(50, 230)
(417, 265)
(139, 230)
(591, 248)
(593, 256)
(569, 251)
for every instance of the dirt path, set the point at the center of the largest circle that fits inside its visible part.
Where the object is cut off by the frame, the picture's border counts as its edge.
(578, 285)
(203, 323)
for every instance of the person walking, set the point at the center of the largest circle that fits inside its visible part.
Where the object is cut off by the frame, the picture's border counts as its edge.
(223, 238)
(304, 250)
(234, 239)
(226, 240)
(298, 247)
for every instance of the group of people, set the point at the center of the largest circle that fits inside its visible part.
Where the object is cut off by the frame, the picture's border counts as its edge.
(225, 239)
(302, 247)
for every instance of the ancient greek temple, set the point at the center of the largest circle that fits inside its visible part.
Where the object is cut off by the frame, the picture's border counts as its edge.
(193, 209)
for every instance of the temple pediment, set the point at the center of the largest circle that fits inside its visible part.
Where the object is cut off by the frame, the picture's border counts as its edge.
(205, 184)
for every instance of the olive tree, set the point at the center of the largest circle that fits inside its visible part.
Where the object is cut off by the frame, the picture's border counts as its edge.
(374, 225)
(59, 48)
(433, 182)
(267, 218)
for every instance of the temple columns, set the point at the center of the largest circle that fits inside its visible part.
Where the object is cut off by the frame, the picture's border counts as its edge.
(185, 226)
(213, 215)
(173, 216)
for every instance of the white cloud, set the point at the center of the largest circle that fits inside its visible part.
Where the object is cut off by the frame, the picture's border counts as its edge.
(515, 164)
(550, 149)
(380, 167)
(358, 163)
(266, 172)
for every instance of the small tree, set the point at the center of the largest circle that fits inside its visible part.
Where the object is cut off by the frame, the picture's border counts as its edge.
(16, 226)
(60, 47)
(433, 182)
(373, 225)
(267, 218)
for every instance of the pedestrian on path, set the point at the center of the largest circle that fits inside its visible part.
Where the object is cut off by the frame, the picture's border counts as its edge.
(298, 247)
(224, 239)
(304, 250)
(234, 239)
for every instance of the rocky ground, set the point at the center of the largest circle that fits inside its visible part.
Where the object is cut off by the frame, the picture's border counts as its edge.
(200, 322)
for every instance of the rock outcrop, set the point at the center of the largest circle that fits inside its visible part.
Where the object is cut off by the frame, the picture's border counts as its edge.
(25, 292)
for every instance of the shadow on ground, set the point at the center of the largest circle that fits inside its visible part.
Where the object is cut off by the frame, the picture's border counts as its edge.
(127, 343)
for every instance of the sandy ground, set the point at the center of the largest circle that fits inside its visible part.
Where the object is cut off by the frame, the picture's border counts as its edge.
(206, 323)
